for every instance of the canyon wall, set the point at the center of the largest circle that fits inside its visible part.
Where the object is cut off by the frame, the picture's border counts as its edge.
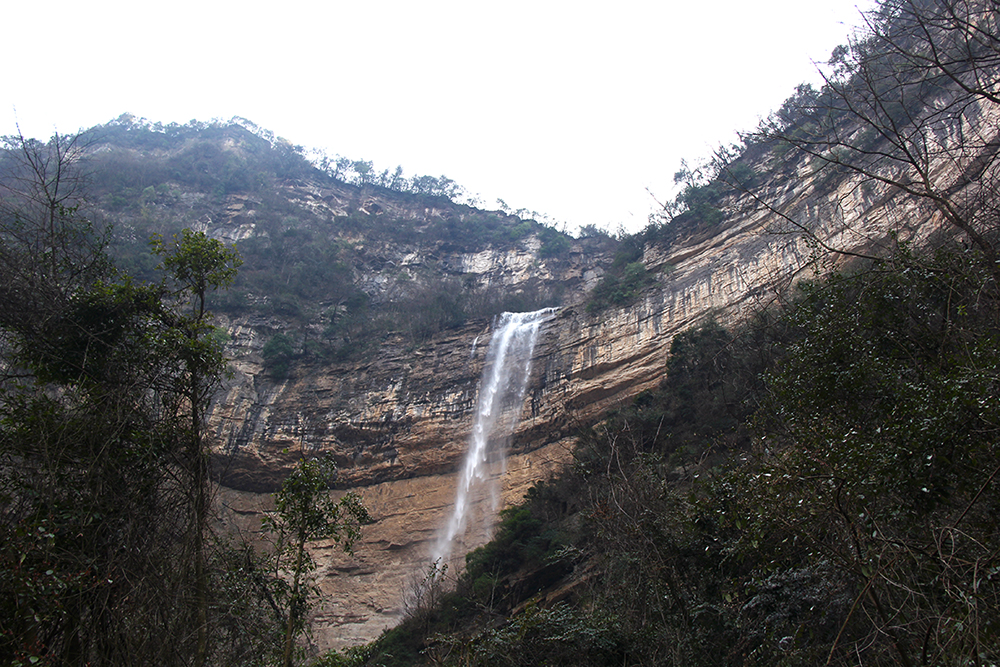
(398, 424)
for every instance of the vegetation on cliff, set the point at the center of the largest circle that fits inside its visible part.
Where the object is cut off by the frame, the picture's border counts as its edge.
(342, 256)
(110, 359)
(818, 485)
(107, 553)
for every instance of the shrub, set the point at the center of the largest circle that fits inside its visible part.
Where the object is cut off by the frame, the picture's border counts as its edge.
(620, 289)
(278, 354)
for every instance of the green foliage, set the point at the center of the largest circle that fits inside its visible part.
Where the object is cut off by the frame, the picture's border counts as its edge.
(197, 263)
(815, 488)
(521, 230)
(881, 438)
(305, 511)
(294, 267)
(697, 211)
(247, 629)
(104, 556)
(308, 276)
(196, 156)
(366, 655)
(700, 202)
(554, 243)
(590, 231)
(278, 354)
(739, 175)
(625, 279)
(520, 542)
(621, 288)
(558, 635)
(526, 556)
(297, 263)
(205, 164)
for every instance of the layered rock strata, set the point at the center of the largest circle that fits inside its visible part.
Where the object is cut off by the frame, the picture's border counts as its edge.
(398, 425)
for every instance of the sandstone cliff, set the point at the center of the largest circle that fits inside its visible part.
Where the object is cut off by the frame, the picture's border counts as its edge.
(397, 419)
(398, 425)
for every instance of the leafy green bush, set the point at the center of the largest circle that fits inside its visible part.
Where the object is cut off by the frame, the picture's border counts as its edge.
(620, 289)
(553, 243)
(278, 354)
(558, 635)
(519, 541)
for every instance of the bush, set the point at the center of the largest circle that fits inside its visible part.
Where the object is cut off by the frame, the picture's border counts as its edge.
(620, 289)
(553, 243)
(278, 354)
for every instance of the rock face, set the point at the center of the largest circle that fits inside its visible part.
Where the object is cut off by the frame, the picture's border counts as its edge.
(368, 592)
(406, 412)
(398, 425)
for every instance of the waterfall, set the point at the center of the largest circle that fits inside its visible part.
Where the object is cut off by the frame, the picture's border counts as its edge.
(501, 395)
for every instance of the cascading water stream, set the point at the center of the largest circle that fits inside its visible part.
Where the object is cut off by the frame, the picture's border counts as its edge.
(501, 396)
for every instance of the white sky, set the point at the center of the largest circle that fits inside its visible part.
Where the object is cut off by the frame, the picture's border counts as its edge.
(571, 109)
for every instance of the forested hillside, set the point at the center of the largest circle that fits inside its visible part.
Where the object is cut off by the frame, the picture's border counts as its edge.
(323, 239)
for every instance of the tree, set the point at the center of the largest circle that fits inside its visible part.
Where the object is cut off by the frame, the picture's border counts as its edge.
(397, 181)
(305, 511)
(278, 354)
(48, 245)
(875, 483)
(364, 172)
(80, 441)
(101, 401)
(911, 105)
(196, 264)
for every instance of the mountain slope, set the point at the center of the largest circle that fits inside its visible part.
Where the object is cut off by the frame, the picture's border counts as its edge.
(357, 323)
(855, 529)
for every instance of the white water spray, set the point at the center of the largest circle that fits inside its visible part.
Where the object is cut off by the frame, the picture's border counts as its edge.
(501, 395)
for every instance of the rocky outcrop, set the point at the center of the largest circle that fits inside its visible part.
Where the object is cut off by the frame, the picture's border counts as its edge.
(369, 591)
(406, 412)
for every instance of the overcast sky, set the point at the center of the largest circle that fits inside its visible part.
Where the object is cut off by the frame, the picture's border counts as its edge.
(571, 109)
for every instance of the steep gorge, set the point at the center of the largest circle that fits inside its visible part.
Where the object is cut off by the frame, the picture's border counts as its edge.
(770, 417)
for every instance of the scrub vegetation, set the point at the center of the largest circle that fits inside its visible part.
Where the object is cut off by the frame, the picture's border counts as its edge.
(817, 485)
(107, 548)
(303, 263)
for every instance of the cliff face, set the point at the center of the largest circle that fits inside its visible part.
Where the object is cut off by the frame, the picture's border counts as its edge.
(398, 422)
(398, 425)
(403, 412)
(406, 411)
